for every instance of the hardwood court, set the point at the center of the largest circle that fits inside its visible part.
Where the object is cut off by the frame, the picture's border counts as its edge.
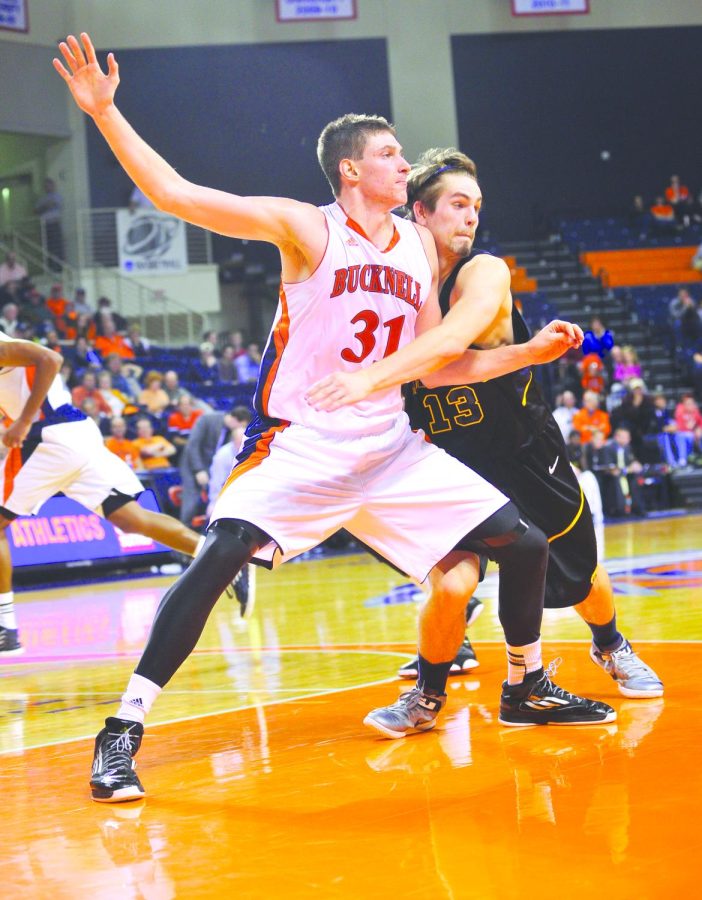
(261, 779)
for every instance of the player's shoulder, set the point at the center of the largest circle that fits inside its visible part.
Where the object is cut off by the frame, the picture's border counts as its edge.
(484, 264)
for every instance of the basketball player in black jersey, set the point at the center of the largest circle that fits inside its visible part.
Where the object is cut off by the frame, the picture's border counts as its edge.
(503, 428)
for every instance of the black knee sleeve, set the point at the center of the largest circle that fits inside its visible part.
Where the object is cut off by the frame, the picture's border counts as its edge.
(521, 551)
(185, 607)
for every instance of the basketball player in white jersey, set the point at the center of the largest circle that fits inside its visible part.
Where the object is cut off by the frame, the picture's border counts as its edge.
(52, 447)
(357, 284)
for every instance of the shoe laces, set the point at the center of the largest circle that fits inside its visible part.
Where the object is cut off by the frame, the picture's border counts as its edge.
(547, 686)
(628, 662)
(118, 751)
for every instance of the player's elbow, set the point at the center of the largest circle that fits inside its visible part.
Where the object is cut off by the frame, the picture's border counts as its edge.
(450, 348)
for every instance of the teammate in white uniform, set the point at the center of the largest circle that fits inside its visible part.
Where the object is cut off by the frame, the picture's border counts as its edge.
(52, 447)
(357, 284)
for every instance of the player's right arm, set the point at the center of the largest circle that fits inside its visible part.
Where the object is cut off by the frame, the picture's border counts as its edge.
(296, 228)
(46, 364)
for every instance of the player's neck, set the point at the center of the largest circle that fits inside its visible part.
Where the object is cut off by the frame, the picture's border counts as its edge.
(374, 219)
(447, 263)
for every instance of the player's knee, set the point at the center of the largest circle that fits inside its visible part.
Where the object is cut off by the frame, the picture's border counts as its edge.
(457, 585)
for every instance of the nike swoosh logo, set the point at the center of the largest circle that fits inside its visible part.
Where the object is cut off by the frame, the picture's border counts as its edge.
(552, 469)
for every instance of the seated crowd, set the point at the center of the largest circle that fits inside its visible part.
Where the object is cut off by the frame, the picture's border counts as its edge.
(625, 434)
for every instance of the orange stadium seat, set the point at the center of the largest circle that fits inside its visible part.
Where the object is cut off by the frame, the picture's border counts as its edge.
(657, 265)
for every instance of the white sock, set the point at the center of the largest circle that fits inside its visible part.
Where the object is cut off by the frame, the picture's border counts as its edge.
(522, 660)
(7, 610)
(138, 699)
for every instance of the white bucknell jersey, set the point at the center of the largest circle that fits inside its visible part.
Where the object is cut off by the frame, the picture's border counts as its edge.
(359, 305)
(15, 386)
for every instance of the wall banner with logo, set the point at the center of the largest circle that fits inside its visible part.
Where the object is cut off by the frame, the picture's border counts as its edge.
(150, 242)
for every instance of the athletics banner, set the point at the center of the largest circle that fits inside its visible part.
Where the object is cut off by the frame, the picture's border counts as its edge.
(65, 532)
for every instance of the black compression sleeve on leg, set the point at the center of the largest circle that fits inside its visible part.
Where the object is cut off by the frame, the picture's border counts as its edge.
(521, 551)
(185, 607)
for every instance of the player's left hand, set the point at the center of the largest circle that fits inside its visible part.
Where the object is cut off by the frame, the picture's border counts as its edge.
(339, 389)
(16, 433)
(554, 340)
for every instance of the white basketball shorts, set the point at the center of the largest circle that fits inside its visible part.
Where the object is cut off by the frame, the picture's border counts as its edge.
(71, 458)
(407, 499)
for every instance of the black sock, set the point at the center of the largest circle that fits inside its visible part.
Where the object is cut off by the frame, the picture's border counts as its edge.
(432, 677)
(606, 637)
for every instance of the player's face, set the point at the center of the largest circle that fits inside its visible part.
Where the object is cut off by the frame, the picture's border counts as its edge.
(454, 220)
(383, 170)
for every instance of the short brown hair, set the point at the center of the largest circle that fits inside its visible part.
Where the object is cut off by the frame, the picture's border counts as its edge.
(424, 181)
(345, 138)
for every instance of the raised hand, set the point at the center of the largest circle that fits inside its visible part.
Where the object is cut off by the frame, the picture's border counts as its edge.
(554, 340)
(91, 88)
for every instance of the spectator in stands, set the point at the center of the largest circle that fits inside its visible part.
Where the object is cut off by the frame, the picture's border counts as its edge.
(211, 431)
(248, 364)
(90, 407)
(171, 385)
(575, 449)
(80, 303)
(223, 460)
(687, 319)
(153, 397)
(637, 414)
(592, 373)
(118, 443)
(9, 320)
(67, 323)
(564, 412)
(678, 195)
(628, 366)
(675, 447)
(155, 450)
(114, 399)
(640, 217)
(88, 388)
(139, 344)
(566, 376)
(622, 492)
(56, 301)
(681, 303)
(689, 420)
(84, 355)
(663, 217)
(124, 376)
(111, 341)
(49, 208)
(204, 369)
(236, 339)
(35, 313)
(85, 327)
(591, 418)
(696, 261)
(51, 340)
(226, 366)
(105, 313)
(67, 373)
(182, 421)
(11, 270)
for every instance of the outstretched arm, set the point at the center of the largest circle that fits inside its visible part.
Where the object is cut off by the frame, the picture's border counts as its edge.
(294, 227)
(46, 364)
(473, 366)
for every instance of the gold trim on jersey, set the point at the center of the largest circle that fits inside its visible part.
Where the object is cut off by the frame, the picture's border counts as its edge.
(573, 523)
(528, 385)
